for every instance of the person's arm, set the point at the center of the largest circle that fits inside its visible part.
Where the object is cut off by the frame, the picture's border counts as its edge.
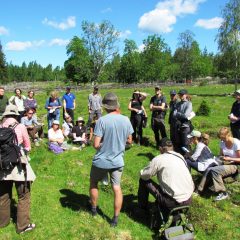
(197, 152)
(149, 171)
(161, 107)
(145, 113)
(74, 104)
(25, 138)
(89, 103)
(91, 134)
(233, 159)
(97, 142)
(143, 96)
(186, 114)
(64, 106)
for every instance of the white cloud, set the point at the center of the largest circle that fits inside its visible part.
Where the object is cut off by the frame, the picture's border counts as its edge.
(141, 47)
(106, 10)
(165, 14)
(70, 22)
(209, 23)
(125, 34)
(59, 42)
(22, 46)
(3, 31)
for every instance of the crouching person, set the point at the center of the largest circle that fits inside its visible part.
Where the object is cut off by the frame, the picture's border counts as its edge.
(175, 186)
(16, 177)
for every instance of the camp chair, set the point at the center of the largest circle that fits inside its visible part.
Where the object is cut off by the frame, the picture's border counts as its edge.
(173, 224)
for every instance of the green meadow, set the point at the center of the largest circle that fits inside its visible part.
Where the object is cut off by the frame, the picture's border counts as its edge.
(59, 202)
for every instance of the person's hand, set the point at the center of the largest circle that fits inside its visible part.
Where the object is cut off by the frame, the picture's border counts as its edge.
(226, 158)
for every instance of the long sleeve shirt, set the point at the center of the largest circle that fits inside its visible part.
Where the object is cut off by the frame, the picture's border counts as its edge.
(172, 174)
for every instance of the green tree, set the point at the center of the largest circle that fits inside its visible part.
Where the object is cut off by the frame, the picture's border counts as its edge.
(100, 40)
(129, 71)
(79, 65)
(3, 66)
(155, 57)
(229, 32)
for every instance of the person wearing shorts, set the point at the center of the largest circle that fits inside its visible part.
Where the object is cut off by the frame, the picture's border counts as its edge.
(111, 134)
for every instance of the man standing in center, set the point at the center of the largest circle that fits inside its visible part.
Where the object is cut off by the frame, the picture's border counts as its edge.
(158, 108)
(94, 105)
(69, 104)
(111, 134)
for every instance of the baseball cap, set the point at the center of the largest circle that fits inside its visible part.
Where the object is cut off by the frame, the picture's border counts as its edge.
(194, 133)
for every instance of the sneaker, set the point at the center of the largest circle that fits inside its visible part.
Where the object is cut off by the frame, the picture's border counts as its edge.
(221, 196)
(29, 227)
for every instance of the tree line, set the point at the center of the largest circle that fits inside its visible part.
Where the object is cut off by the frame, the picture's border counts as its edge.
(94, 57)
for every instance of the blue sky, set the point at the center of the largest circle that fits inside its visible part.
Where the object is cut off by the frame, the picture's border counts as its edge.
(40, 30)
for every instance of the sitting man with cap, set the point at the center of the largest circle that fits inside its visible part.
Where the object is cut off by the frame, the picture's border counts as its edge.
(79, 132)
(175, 182)
(111, 134)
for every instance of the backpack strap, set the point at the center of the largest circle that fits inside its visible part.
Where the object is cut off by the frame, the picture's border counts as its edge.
(179, 157)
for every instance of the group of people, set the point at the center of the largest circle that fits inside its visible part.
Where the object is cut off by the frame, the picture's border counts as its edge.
(111, 134)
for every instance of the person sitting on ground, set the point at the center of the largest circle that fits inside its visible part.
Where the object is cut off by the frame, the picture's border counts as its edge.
(56, 138)
(79, 132)
(16, 177)
(34, 128)
(67, 127)
(175, 186)
(30, 101)
(230, 154)
(202, 157)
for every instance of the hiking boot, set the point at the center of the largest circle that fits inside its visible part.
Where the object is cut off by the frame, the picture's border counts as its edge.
(93, 211)
(114, 222)
(28, 228)
(221, 196)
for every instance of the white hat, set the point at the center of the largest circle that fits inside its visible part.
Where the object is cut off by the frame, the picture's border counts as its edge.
(56, 122)
(194, 133)
(11, 110)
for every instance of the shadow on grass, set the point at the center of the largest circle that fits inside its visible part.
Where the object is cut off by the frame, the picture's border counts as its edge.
(150, 156)
(78, 202)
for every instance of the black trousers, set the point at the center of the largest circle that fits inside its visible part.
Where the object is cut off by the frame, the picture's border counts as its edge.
(158, 127)
(70, 112)
(235, 129)
(136, 121)
(165, 201)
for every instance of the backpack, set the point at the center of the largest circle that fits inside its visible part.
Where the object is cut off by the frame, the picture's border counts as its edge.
(10, 154)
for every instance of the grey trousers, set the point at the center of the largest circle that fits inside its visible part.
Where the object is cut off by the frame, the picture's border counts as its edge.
(213, 177)
(23, 206)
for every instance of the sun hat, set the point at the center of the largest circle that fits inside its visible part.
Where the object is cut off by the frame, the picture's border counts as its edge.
(110, 101)
(194, 133)
(157, 87)
(237, 92)
(56, 122)
(165, 142)
(11, 110)
(182, 92)
(80, 119)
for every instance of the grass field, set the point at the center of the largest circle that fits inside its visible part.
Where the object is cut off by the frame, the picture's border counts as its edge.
(60, 192)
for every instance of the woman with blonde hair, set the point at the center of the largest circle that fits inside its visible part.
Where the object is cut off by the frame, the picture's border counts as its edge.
(53, 105)
(230, 155)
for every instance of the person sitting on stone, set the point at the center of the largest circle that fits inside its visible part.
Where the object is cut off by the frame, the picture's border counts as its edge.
(175, 186)
(34, 128)
(79, 132)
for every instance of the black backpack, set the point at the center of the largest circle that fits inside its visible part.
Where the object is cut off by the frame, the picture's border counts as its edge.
(9, 150)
